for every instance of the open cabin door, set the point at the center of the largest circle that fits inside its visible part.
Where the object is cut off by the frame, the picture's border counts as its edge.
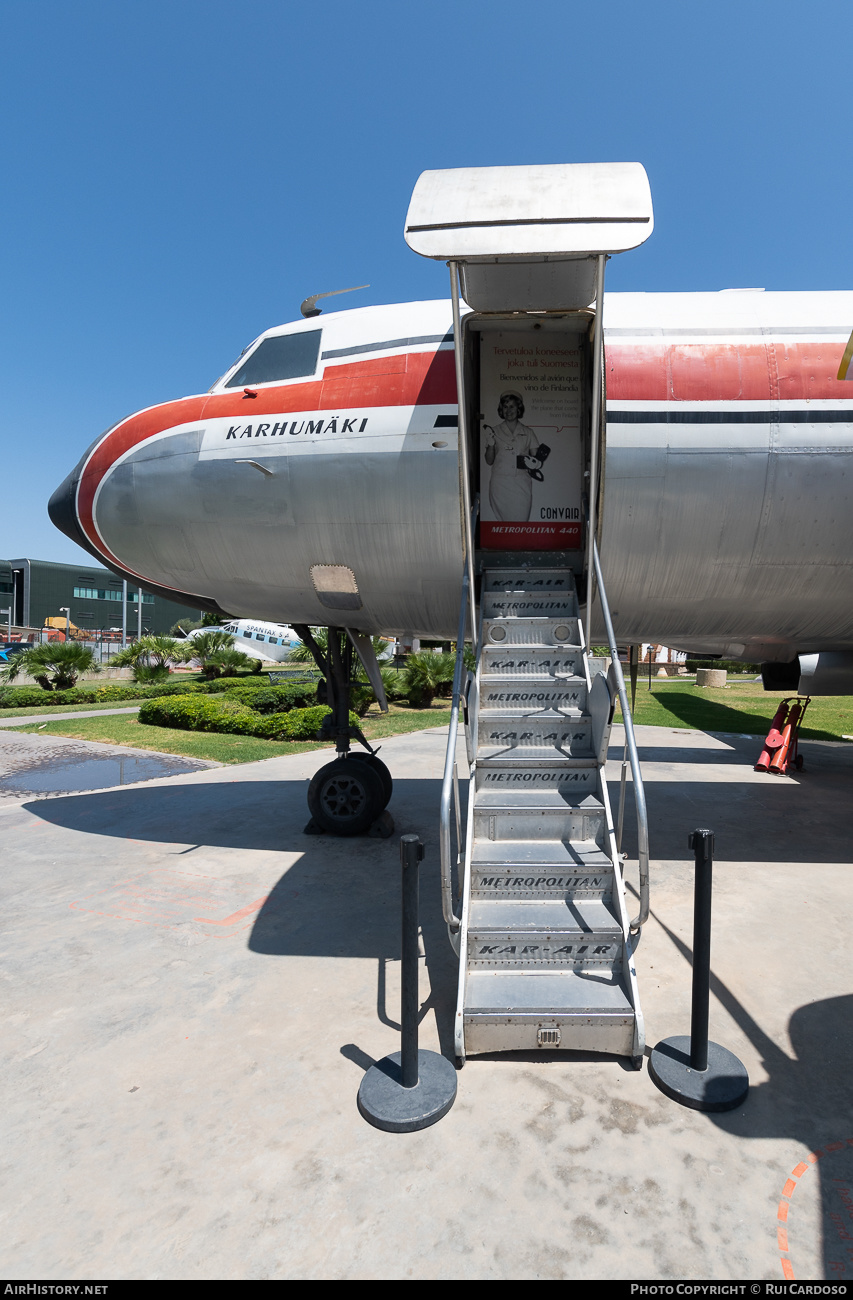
(526, 248)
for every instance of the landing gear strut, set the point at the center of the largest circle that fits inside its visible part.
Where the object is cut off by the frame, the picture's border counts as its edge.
(349, 795)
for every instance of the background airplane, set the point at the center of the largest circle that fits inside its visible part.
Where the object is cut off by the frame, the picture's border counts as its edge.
(271, 642)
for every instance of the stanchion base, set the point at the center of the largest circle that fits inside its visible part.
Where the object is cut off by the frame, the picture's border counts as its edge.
(386, 1104)
(722, 1086)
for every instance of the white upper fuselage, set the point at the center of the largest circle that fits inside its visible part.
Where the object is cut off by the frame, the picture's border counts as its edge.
(725, 487)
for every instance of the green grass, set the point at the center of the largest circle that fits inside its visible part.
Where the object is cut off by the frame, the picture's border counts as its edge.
(743, 707)
(38, 709)
(400, 719)
(122, 729)
(126, 730)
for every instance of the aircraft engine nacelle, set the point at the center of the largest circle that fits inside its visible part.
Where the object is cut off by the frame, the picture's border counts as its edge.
(827, 673)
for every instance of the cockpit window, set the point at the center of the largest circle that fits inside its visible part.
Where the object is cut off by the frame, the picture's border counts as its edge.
(284, 356)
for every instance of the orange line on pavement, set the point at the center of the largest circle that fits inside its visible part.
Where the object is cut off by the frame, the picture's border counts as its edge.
(235, 916)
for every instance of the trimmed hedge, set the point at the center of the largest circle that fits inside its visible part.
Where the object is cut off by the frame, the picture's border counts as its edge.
(195, 713)
(730, 665)
(259, 682)
(24, 697)
(289, 696)
(274, 699)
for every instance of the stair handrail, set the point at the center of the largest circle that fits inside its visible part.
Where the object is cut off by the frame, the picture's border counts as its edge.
(469, 508)
(630, 740)
(450, 785)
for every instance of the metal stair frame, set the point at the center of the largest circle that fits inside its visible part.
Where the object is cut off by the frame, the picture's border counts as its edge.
(601, 694)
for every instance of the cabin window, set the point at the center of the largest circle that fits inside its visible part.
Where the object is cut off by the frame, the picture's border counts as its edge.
(284, 356)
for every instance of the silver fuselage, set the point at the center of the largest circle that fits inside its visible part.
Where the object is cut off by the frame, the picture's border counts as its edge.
(724, 507)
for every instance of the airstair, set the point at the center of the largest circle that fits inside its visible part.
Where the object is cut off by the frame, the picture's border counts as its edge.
(545, 945)
(533, 887)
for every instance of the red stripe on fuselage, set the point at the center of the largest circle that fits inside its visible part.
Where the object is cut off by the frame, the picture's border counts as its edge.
(406, 379)
(646, 372)
(723, 372)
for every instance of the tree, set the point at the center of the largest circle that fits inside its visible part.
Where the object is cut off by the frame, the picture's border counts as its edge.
(185, 625)
(55, 666)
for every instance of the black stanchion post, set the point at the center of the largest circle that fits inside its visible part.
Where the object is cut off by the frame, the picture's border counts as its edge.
(411, 853)
(692, 1070)
(702, 844)
(410, 1089)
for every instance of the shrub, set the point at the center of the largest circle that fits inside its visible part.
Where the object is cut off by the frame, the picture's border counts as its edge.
(230, 684)
(275, 699)
(730, 665)
(196, 713)
(24, 697)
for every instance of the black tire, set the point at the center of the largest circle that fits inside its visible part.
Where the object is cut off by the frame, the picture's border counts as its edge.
(378, 766)
(346, 797)
(798, 762)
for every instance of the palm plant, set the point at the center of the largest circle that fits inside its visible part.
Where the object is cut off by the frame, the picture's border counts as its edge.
(226, 662)
(300, 654)
(55, 665)
(428, 674)
(209, 648)
(149, 657)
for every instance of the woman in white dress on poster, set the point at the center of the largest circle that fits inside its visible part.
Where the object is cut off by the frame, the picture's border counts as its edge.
(510, 488)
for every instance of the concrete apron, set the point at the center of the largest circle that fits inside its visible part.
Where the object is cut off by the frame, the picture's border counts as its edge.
(183, 1057)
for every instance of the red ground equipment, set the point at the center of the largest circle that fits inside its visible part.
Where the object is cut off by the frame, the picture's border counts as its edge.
(781, 745)
(774, 736)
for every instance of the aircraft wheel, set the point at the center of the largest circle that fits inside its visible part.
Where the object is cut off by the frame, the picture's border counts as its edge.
(346, 797)
(380, 767)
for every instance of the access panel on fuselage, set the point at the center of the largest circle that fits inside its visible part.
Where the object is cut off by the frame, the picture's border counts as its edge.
(531, 443)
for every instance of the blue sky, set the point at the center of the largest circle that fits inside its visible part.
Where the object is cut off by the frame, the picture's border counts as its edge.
(179, 176)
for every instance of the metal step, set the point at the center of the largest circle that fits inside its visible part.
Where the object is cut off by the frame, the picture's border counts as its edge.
(508, 1011)
(509, 869)
(554, 933)
(525, 578)
(505, 735)
(560, 631)
(526, 604)
(530, 696)
(541, 854)
(532, 662)
(538, 772)
(529, 816)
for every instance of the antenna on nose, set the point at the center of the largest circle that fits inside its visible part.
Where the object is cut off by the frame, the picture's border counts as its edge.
(310, 308)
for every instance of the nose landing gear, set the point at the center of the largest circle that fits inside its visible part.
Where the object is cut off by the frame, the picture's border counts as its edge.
(348, 796)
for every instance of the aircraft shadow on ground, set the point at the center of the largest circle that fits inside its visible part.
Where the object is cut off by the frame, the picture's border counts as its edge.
(340, 898)
(768, 821)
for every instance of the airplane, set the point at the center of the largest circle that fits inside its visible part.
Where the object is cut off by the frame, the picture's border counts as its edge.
(269, 642)
(408, 470)
(318, 481)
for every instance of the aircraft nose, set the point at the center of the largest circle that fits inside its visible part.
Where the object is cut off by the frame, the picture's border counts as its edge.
(62, 509)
